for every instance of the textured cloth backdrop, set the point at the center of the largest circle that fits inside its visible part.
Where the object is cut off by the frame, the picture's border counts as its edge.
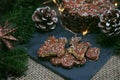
(36, 71)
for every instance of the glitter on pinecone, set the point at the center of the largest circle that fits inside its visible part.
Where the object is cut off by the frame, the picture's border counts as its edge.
(5, 35)
(45, 18)
(110, 22)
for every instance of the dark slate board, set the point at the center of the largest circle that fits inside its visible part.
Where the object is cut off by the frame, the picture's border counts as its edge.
(85, 72)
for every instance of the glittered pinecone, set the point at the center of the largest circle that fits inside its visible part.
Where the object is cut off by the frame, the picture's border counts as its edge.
(45, 18)
(110, 22)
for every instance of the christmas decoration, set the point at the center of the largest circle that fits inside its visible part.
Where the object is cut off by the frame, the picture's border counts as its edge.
(45, 18)
(110, 22)
(116, 3)
(5, 35)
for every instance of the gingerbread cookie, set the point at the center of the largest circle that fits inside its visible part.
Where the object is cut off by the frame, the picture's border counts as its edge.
(75, 40)
(52, 47)
(67, 61)
(93, 53)
(79, 50)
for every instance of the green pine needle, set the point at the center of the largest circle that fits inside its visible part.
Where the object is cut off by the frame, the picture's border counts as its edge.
(106, 41)
(113, 41)
(18, 13)
(117, 47)
(20, 17)
(14, 62)
(6, 5)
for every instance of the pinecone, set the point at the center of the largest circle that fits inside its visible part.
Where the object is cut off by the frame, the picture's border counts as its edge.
(45, 18)
(110, 22)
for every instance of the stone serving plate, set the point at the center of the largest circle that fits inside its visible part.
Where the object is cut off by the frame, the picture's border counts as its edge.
(85, 72)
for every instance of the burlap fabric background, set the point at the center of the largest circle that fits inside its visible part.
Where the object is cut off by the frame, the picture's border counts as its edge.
(110, 71)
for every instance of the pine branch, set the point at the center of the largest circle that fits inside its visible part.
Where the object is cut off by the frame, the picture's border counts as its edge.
(20, 17)
(14, 62)
(106, 41)
(117, 47)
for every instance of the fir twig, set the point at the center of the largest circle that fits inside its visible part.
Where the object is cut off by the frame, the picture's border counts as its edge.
(18, 13)
(117, 47)
(106, 41)
(20, 17)
(14, 62)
